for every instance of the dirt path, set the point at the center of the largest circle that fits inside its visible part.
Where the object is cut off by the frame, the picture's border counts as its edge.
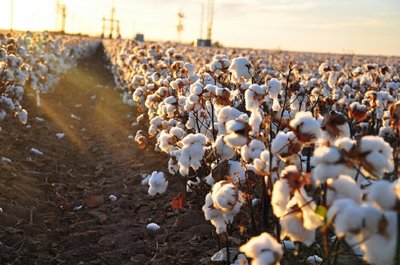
(56, 205)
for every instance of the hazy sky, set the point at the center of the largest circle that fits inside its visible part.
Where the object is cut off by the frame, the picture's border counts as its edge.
(360, 26)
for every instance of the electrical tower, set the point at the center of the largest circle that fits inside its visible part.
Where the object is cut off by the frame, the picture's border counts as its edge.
(111, 24)
(210, 13)
(210, 20)
(179, 27)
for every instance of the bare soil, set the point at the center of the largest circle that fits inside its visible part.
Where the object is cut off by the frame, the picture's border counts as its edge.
(56, 206)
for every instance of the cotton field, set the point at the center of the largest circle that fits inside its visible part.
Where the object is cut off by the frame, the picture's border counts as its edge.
(162, 153)
(305, 145)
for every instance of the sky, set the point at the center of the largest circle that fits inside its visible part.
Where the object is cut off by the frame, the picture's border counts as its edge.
(337, 26)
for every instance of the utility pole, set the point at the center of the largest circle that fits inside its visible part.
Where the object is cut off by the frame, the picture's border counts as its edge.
(12, 16)
(179, 27)
(63, 16)
(210, 18)
(202, 21)
(110, 21)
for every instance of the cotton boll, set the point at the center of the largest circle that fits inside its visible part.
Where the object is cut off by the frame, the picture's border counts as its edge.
(192, 152)
(262, 164)
(305, 127)
(285, 144)
(157, 183)
(224, 195)
(280, 197)
(252, 150)
(153, 227)
(329, 163)
(314, 260)
(275, 87)
(236, 171)
(348, 217)
(342, 187)
(380, 248)
(253, 97)
(345, 144)
(384, 195)
(293, 228)
(241, 68)
(255, 121)
(238, 130)
(310, 219)
(214, 215)
(263, 249)
(378, 155)
(222, 149)
(23, 116)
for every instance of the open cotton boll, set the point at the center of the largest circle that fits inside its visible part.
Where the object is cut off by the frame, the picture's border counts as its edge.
(305, 127)
(275, 87)
(348, 217)
(153, 227)
(237, 131)
(383, 193)
(285, 144)
(173, 166)
(345, 144)
(222, 149)
(252, 150)
(310, 219)
(342, 187)
(378, 155)
(224, 195)
(262, 164)
(192, 152)
(241, 68)
(329, 163)
(280, 197)
(190, 68)
(253, 97)
(255, 121)
(226, 114)
(263, 249)
(314, 260)
(292, 227)
(214, 215)
(236, 171)
(381, 248)
(157, 183)
(23, 116)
